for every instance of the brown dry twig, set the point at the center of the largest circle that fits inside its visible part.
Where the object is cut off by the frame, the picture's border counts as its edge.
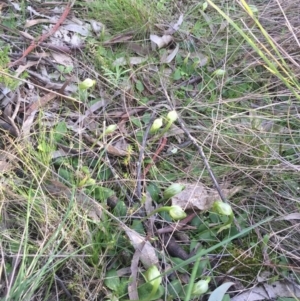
(178, 226)
(141, 156)
(161, 146)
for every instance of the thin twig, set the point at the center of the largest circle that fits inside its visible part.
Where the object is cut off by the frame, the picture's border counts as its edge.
(178, 226)
(62, 285)
(161, 146)
(141, 156)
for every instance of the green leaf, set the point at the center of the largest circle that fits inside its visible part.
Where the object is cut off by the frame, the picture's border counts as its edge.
(139, 86)
(144, 292)
(226, 297)
(175, 289)
(136, 121)
(177, 74)
(104, 173)
(68, 69)
(66, 175)
(202, 267)
(120, 209)
(44, 147)
(60, 68)
(154, 191)
(102, 193)
(138, 227)
(177, 261)
(146, 118)
(112, 280)
(60, 131)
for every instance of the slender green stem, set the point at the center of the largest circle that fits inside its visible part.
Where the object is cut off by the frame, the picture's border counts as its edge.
(157, 210)
(192, 279)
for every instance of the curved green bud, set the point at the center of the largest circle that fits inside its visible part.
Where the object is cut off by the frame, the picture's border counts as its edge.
(157, 124)
(222, 208)
(200, 288)
(172, 116)
(177, 213)
(86, 84)
(172, 190)
(153, 277)
(110, 129)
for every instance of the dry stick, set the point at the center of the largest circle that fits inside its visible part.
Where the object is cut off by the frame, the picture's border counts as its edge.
(201, 152)
(178, 226)
(161, 146)
(62, 285)
(141, 155)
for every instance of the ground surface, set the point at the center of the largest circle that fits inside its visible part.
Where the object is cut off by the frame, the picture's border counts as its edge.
(105, 105)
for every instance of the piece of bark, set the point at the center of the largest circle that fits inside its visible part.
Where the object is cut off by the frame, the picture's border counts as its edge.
(173, 248)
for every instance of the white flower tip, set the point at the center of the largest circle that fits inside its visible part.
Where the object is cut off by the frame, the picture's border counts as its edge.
(172, 116)
(157, 124)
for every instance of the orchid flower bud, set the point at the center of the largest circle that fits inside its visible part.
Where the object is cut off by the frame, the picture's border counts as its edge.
(153, 277)
(86, 84)
(177, 213)
(157, 124)
(110, 129)
(172, 116)
(200, 288)
(172, 190)
(222, 208)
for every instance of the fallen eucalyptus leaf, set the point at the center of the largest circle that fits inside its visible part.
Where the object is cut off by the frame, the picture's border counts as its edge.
(160, 41)
(135, 60)
(175, 27)
(197, 196)
(219, 292)
(171, 56)
(148, 255)
(290, 216)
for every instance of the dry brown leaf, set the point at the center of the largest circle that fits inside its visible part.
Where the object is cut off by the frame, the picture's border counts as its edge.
(132, 286)
(148, 255)
(4, 166)
(135, 60)
(120, 38)
(28, 123)
(97, 26)
(94, 107)
(140, 50)
(33, 22)
(208, 21)
(40, 102)
(120, 148)
(197, 196)
(170, 57)
(116, 151)
(265, 291)
(175, 27)
(84, 29)
(160, 41)
(62, 59)
(149, 208)
(291, 216)
(22, 68)
(92, 208)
